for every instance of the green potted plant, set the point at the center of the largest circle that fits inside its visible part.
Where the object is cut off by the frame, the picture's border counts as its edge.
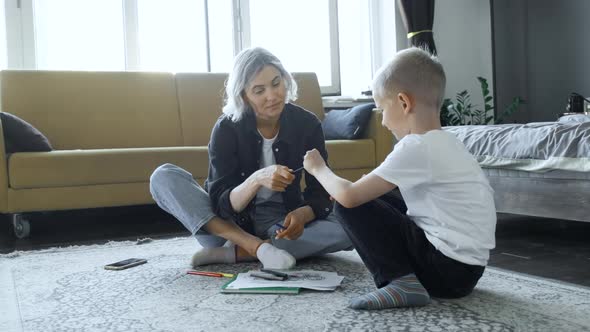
(463, 112)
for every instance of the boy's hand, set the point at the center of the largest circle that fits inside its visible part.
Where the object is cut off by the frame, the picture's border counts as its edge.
(313, 161)
(295, 223)
(275, 177)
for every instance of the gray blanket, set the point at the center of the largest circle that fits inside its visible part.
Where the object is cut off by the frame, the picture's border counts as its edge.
(539, 147)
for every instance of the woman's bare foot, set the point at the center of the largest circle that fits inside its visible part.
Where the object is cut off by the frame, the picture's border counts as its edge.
(243, 255)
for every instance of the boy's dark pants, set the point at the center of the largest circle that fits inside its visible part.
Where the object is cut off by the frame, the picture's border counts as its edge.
(391, 245)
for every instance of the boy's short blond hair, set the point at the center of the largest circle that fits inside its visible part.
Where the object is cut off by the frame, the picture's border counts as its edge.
(413, 71)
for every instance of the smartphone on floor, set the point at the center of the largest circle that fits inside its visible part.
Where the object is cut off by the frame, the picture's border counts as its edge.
(125, 264)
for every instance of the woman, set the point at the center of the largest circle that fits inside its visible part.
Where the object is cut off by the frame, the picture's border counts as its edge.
(254, 207)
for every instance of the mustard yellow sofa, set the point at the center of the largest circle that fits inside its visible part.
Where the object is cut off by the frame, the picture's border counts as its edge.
(110, 130)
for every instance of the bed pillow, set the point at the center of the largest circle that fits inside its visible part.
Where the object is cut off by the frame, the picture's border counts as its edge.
(347, 124)
(21, 136)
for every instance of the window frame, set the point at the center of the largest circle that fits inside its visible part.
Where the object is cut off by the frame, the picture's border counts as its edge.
(131, 35)
(19, 35)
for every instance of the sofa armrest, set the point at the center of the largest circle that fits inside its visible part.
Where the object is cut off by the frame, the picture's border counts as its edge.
(384, 139)
(3, 174)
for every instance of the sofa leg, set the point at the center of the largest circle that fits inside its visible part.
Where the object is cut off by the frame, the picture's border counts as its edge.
(20, 226)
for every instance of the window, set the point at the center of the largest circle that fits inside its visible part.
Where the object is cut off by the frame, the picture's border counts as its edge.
(79, 34)
(367, 41)
(221, 40)
(298, 33)
(172, 37)
(355, 57)
(3, 39)
(343, 42)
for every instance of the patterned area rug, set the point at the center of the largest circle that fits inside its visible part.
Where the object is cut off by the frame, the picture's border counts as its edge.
(67, 289)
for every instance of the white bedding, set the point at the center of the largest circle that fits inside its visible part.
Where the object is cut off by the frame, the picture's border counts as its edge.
(533, 147)
(554, 174)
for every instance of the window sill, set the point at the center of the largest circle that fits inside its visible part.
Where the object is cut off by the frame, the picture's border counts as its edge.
(343, 102)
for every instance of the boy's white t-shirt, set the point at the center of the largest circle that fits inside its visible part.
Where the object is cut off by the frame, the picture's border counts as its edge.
(446, 192)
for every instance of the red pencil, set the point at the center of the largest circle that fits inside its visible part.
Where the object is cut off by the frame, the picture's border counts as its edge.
(211, 274)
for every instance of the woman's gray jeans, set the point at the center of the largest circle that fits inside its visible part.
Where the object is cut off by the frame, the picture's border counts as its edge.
(175, 191)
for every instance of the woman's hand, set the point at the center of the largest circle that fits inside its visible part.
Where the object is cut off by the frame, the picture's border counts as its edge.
(275, 177)
(313, 161)
(295, 223)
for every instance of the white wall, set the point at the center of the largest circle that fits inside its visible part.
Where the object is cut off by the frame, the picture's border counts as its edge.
(463, 38)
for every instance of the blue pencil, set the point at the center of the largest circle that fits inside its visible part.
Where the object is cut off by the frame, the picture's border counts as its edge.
(297, 170)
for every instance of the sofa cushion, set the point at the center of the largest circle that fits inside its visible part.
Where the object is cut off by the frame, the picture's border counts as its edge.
(347, 124)
(94, 167)
(347, 154)
(21, 136)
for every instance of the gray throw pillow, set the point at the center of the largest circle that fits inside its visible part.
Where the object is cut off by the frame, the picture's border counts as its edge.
(347, 124)
(21, 136)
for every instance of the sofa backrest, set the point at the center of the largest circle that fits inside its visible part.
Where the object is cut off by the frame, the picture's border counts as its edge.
(94, 110)
(309, 93)
(201, 95)
(89, 110)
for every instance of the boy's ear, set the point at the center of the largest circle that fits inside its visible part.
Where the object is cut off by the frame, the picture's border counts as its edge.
(405, 101)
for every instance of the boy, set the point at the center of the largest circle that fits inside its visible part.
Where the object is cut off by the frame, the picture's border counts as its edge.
(436, 240)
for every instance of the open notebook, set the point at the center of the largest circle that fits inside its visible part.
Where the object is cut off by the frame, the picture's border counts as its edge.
(309, 279)
(259, 290)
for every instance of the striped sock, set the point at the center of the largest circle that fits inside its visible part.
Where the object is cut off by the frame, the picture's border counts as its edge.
(406, 291)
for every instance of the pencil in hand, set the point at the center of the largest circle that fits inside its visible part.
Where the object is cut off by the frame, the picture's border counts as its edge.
(297, 170)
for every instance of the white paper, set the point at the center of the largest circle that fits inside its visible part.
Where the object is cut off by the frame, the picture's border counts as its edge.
(310, 279)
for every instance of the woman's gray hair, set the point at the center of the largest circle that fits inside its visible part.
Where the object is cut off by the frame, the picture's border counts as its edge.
(247, 64)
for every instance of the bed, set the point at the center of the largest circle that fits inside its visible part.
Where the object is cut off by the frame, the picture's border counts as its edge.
(537, 169)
